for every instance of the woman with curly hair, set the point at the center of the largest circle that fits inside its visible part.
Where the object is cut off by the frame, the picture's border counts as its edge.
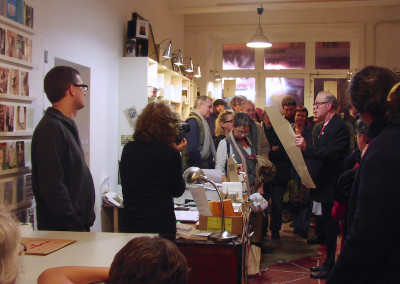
(151, 173)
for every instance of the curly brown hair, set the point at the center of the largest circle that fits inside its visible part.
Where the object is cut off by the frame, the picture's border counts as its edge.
(157, 122)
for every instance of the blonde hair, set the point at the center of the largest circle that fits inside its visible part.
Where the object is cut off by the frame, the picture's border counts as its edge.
(219, 130)
(10, 262)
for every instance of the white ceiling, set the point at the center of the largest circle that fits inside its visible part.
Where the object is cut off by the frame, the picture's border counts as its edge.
(221, 6)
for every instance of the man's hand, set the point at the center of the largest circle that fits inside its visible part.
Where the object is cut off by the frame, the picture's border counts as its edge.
(180, 146)
(300, 142)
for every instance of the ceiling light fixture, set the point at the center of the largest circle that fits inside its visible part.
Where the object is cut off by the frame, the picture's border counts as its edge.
(259, 40)
(197, 72)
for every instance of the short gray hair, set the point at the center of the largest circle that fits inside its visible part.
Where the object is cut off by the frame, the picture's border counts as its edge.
(201, 99)
(242, 119)
(330, 98)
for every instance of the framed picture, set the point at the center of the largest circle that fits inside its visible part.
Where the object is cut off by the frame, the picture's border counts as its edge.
(142, 29)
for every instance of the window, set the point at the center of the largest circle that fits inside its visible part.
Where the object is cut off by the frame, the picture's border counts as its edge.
(332, 55)
(276, 88)
(237, 56)
(244, 87)
(289, 55)
(336, 86)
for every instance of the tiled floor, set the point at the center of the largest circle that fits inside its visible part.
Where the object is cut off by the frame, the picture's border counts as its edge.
(288, 248)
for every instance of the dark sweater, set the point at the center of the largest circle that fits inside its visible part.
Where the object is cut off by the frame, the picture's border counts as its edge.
(61, 181)
(151, 175)
(371, 250)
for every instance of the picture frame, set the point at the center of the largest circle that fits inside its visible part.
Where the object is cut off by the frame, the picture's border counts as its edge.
(142, 29)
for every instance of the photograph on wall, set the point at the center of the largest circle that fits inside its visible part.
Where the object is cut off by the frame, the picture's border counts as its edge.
(28, 16)
(3, 165)
(9, 118)
(2, 41)
(11, 155)
(28, 49)
(3, 80)
(20, 47)
(21, 118)
(20, 154)
(20, 189)
(142, 47)
(131, 47)
(13, 86)
(142, 29)
(11, 44)
(24, 83)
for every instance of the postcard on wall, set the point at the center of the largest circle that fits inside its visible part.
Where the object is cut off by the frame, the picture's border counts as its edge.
(3, 165)
(9, 118)
(11, 44)
(28, 49)
(13, 86)
(2, 41)
(20, 47)
(11, 155)
(12, 9)
(28, 187)
(28, 16)
(21, 118)
(20, 154)
(24, 83)
(3, 80)
(20, 189)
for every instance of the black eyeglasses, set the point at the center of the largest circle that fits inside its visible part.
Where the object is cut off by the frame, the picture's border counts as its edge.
(84, 87)
(320, 103)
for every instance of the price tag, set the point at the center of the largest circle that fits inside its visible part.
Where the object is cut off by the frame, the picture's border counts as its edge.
(214, 224)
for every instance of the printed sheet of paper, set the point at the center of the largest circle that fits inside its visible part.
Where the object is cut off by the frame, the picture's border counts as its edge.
(187, 216)
(286, 135)
(38, 246)
(200, 198)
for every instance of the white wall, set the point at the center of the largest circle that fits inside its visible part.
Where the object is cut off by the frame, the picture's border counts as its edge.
(92, 33)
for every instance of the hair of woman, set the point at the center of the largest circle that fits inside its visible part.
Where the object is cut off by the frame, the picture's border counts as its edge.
(241, 119)
(301, 109)
(157, 122)
(222, 118)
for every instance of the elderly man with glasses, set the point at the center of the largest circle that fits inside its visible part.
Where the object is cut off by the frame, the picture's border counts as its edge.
(326, 158)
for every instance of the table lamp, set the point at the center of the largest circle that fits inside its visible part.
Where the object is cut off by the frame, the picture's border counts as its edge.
(195, 175)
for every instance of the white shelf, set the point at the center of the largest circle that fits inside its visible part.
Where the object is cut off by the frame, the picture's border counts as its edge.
(16, 134)
(16, 98)
(23, 170)
(18, 62)
(16, 25)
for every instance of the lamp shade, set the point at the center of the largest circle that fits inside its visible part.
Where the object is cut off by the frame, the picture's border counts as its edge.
(197, 72)
(259, 40)
(167, 51)
(178, 61)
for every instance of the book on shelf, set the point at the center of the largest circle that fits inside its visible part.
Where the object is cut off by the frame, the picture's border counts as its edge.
(20, 47)
(12, 9)
(11, 155)
(8, 118)
(21, 118)
(20, 189)
(13, 86)
(11, 43)
(20, 154)
(28, 49)
(2, 41)
(24, 83)
(28, 16)
(4, 74)
(20, 11)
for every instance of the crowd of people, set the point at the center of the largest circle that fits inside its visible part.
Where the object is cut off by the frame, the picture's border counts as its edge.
(355, 187)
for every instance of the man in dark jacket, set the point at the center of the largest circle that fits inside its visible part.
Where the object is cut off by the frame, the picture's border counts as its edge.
(326, 164)
(62, 183)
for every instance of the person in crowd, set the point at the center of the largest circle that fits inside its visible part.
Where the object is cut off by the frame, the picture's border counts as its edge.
(237, 103)
(258, 117)
(326, 164)
(277, 187)
(223, 126)
(142, 260)
(301, 209)
(151, 173)
(288, 106)
(200, 151)
(61, 180)
(370, 252)
(219, 106)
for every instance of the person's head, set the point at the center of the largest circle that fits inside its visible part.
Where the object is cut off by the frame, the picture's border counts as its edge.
(288, 105)
(300, 115)
(61, 79)
(149, 260)
(157, 122)
(369, 93)
(237, 103)
(204, 105)
(10, 248)
(265, 118)
(258, 114)
(241, 125)
(219, 106)
(250, 108)
(363, 134)
(224, 123)
(325, 105)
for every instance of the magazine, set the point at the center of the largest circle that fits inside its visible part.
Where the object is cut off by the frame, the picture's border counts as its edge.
(24, 83)
(11, 155)
(28, 16)
(3, 80)
(11, 44)
(8, 118)
(2, 41)
(20, 47)
(20, 154)
(21, 118)
(13, 86)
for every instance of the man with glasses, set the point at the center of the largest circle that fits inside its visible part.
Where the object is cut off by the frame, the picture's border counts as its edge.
(326, 159)
(61, 180)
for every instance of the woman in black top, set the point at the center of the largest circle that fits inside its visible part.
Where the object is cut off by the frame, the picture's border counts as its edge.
(151, 173)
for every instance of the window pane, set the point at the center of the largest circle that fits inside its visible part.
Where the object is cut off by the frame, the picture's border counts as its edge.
(237, 56)
(332, 55)
(336, 86)
(244, 87)
(277, 88)
(288, 55)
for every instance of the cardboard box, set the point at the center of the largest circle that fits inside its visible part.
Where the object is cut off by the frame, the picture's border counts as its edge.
(232, 224)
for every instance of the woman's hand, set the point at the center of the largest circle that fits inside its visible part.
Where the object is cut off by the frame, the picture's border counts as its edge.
(180, 146)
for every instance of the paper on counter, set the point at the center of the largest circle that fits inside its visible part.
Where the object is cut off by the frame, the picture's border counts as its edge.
(187, 216)
(200, 198)
(233, 188)
(213, 174)
(287, 137)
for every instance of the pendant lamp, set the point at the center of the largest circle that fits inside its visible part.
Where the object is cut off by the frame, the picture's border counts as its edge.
(259, 40)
